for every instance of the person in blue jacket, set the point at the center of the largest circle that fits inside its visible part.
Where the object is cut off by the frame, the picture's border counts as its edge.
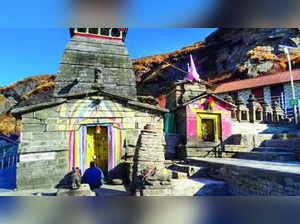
(93, 176)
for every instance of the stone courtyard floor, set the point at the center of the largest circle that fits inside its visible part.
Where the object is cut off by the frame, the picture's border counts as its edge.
(181, 187)
(106, 190)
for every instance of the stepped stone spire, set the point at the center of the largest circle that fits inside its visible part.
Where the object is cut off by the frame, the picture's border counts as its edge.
(92, 62)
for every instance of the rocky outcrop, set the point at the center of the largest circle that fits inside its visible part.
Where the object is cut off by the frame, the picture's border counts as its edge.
(225, 55)
(30, 91)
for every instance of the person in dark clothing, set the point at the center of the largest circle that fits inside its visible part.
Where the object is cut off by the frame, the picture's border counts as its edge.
(93, 176)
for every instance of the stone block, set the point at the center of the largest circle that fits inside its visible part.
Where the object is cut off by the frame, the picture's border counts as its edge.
(84, 190)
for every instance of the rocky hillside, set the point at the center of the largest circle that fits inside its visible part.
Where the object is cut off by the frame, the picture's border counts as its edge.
(29, 91)
(225, 55)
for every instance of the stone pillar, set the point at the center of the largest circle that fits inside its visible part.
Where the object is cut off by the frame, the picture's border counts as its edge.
(233, 110)
(150, 177)
(278, 113)
(267, 112)
(251, 106)
(241, 109)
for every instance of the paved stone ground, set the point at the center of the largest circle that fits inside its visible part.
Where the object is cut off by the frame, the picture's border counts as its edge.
(106, 190)
(199, 187)
(112, 190)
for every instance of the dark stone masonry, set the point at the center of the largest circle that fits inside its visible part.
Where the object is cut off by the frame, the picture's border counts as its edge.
(150, 177)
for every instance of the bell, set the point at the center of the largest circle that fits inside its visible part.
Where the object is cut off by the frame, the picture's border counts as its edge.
(98, 129)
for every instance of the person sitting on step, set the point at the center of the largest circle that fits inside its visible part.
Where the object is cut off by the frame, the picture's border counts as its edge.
(93, 176)
(76, 178)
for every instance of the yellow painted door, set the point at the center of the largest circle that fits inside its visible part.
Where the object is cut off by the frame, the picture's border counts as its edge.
(98, 147)
(101, 149)
(208, 130)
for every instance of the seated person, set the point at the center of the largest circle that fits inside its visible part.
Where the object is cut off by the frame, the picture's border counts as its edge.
(76, 178)
(93, 176)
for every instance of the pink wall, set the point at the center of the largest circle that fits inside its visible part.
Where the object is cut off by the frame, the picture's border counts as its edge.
(226, 124)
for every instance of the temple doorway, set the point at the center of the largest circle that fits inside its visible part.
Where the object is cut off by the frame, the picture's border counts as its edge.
(98, 147)
(209, 127)
(208, 130)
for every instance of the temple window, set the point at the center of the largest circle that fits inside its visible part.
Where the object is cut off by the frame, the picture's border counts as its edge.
(93, 30)
(115, 32)
(104, 31)
(81, 30)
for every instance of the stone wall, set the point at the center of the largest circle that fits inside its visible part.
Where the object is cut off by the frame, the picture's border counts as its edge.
(43, 150)
(259, 128)
(267, 95)
(244, 94)
(45, 135)
(256, 182)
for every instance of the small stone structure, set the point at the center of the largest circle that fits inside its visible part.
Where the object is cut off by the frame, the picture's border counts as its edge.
(202, 120)
(255, 112)
(150, 177)
(267, 112)
(242, 110)
(255, 109)
(229, 99)
(278, 112)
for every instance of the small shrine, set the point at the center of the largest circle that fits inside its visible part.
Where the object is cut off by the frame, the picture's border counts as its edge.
(201, 119)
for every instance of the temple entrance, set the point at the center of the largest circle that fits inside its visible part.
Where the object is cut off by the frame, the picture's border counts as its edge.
(209, 127)
(208, 130)
(98, 147)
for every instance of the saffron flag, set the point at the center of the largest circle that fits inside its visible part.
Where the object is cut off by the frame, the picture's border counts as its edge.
(193, 74)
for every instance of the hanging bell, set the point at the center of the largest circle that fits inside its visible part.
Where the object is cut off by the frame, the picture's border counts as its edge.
(98, 129)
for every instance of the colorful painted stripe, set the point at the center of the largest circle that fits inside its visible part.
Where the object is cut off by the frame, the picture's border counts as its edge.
(78, 153)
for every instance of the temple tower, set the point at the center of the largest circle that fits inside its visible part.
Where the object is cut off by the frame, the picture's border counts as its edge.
(96, 59)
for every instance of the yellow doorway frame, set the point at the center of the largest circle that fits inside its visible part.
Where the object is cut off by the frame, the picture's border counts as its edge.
(217, 124)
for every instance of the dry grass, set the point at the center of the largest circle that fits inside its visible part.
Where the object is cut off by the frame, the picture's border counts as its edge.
(9, 125)
(145, 64)
(2, 98)
(43, 87)
(262, 53)
(37, 79)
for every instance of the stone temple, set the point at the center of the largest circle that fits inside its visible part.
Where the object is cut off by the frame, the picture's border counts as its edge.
(199, 144)
(93, 114)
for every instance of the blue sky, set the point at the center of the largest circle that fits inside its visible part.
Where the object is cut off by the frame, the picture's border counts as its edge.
(27, 52)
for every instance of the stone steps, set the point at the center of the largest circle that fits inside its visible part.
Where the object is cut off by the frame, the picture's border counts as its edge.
(199, 187)
(291, 144)
(267, 156)
(272, 149)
